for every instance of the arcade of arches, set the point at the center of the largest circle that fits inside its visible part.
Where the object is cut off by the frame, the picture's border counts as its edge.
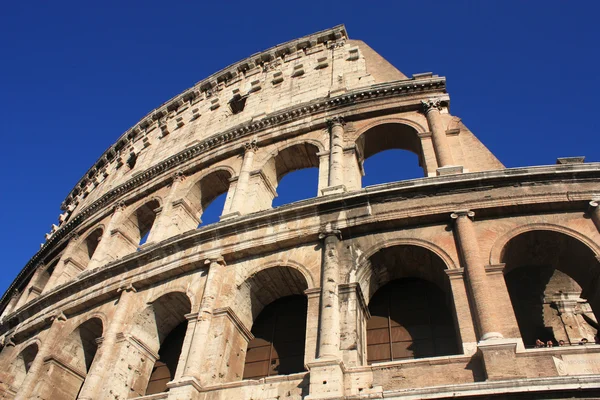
(551, 279)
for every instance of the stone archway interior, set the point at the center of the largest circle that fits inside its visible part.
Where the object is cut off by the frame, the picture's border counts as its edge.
(279, 339)
(410, 318)
(551, 279)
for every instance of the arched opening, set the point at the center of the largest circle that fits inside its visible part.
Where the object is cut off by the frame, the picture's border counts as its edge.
(411, 305)
(273, 302)
(76, 353)
(85, 249)
(410, 318)
(207, 196)
(390, 165)
(137, 227)
(296, 186)
(552, 282)
(44, 277)
(161, 327)
(279, 339)
(92, 241)
(21, 364)
(165, 367)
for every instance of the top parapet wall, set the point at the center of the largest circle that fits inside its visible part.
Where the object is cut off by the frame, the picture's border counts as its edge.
(260, 76)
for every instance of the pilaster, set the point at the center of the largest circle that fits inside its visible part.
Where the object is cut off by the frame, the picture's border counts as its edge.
(36, 369)
(106, 355)
(241, 190)
(200, 335)
(336, 182)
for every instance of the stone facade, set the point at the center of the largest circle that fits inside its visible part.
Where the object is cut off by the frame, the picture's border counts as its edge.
(501, 257)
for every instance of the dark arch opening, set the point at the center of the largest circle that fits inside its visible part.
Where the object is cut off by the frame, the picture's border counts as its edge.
(552, 282)
(92, 241)
(167, 330)
(390, 136)
(166, 366)
(279, 339)
(410, 318)
(20, 366)
(140, 222)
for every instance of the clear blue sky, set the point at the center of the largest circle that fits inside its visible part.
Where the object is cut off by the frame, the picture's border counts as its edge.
(75, 75)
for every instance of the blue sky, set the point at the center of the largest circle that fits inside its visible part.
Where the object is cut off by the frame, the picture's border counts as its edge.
(74, 75)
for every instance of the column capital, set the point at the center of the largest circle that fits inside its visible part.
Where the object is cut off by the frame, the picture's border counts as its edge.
(8, 341)
(593, 204)
(127, 288)
(120, 206)
(250, 146)
(178, 176)
(336, 121)
(432, 104)
(325, 232)
(462, 213)
(73, 236)
(59, 316)
(215, 260)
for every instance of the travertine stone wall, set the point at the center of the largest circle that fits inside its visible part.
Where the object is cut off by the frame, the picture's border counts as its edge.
(89, 315)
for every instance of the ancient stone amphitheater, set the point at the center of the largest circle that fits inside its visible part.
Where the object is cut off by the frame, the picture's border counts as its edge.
(435, 287)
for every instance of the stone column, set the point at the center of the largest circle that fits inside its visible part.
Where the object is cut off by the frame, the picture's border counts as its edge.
(336, 156)
(194, 363)
(476, 276)
(241, 190)
(176, 216)
(103, 255)
(594, 210)
(329, 318)
(464, 319)
(443, 153)
(104, 358)
(36, 368)
(11, 306)
(327, 371)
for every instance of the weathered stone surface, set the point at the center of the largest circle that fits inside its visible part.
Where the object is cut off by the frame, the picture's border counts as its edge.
(512, 253)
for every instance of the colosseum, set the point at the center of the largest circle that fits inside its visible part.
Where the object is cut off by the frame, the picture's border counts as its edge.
(472, 281)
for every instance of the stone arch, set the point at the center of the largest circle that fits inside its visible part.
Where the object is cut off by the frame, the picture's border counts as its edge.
(363, 273)
(20, 364)
(292, 156)
(79, 347)
(161, 327)
(206, 188)
(273, 302)
(162, 291)
(138, 224)
(264, 286)
(389, 134)
(86, 246)
(552, 277)
(406, 287)
(308, 276)
(500, 243)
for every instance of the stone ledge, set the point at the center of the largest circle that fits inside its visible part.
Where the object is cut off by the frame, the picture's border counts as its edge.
(525, 385)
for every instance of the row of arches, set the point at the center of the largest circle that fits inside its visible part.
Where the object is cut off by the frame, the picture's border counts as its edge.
(551, 278)
(292, 172)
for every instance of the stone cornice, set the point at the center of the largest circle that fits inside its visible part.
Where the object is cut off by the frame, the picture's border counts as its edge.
(436, 187)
